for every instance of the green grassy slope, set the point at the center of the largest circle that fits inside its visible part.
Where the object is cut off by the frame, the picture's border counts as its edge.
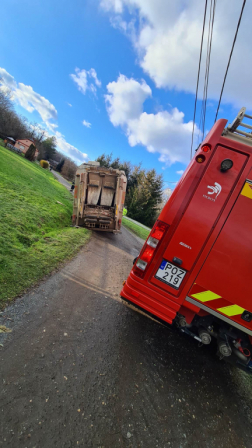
(138, 230)
(35, 232)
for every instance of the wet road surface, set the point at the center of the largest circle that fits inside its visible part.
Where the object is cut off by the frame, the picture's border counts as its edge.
(81, 369)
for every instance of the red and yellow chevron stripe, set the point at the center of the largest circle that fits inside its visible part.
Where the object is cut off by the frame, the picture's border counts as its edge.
(219, 304)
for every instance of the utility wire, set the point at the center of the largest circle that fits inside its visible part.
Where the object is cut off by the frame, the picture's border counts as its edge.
(197, 86)
(229, 60)
(207, 57)
(208, 68)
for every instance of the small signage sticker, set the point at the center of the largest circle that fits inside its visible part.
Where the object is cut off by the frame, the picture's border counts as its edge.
(247, 190)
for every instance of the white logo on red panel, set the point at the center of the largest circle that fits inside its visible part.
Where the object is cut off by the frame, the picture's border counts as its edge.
(214, 191)
(185, 245)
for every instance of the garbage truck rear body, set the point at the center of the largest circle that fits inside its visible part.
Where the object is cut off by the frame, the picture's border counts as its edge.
(99, 196)
(195, 269)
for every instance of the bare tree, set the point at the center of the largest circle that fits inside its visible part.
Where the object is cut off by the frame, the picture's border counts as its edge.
(11, 124)
(69, 169)
(37, 133)
(5, 99)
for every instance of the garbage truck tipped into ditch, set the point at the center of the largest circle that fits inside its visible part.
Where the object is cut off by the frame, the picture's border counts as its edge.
(195, 268)
(99, 195)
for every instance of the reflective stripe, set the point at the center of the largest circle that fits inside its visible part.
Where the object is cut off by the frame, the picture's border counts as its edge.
(231, 310)
(220, 316)
(206, 296)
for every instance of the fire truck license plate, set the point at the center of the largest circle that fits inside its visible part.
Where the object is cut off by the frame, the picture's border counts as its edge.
(170, 274)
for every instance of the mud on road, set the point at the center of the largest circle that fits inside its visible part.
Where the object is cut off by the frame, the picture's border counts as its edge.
(81, 369)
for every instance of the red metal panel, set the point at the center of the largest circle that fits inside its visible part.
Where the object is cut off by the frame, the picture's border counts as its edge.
(158, 296)
(228, 268)
(203, 212)
(204, 208)
(148, 303)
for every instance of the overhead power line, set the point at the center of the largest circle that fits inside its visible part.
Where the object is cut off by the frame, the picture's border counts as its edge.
(197, 86)
(230, 57)
(208, 59)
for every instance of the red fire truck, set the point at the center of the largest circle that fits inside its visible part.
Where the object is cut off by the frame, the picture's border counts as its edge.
(195, 268)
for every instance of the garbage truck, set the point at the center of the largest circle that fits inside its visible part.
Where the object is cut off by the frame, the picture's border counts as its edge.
(195, 268)
(99, 196)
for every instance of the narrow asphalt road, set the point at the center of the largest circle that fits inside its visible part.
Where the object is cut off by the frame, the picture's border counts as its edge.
(82, 369)
(61, 179)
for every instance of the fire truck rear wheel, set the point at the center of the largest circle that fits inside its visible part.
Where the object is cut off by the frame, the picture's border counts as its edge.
(224, 349)
(204, 336)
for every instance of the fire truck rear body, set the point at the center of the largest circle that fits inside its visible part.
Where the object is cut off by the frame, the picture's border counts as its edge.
(195, 267)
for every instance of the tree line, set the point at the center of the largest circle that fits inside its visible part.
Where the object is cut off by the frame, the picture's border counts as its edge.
(17, 126)
(144, 189)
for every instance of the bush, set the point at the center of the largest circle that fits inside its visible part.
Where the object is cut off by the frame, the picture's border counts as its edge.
(44, 164)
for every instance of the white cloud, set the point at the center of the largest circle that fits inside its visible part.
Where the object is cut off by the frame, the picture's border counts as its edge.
(62, 145)
(116, 5)
(86, 123)
(180, 172)
(165, 132)
(7, 80)
(27, 98)
(82, 78)
(93, 73)
(70, 150)
(125, 99)
(31, 101)
(70, 105)
(166, 36)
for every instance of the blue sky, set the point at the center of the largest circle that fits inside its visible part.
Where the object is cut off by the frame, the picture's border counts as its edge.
(137, 62)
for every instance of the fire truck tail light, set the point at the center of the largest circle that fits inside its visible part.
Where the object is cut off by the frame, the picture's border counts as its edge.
(149, 248)
(147, 254)
(159, 230)
(141, 264)
(153, 242)
(206, 148)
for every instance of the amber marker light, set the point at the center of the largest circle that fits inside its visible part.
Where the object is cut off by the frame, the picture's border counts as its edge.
(200, 159)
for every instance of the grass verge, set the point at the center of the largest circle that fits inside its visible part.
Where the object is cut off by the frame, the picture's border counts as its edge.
(35, 232)
(138, 230)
